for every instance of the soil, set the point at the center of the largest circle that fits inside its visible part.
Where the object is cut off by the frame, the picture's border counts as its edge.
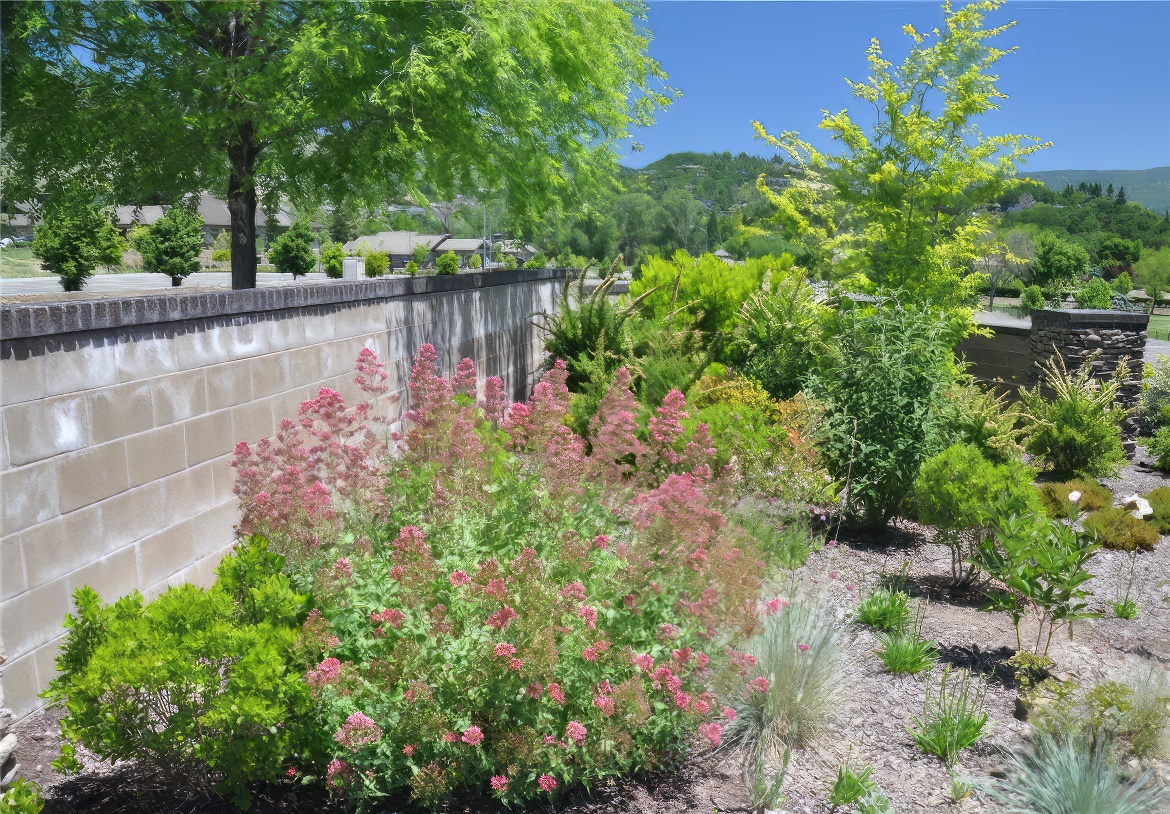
(870, 729)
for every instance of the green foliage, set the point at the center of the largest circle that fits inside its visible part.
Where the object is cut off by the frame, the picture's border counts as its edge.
(1115, 528)
(22, 797)
(221, 255)
(411, 268)
(475, 261)
(705, 289)
(976, 416)
(292, 252)
(1077, 430)
(341, 226)
(332, 260)
(913, 187)
(1041, 566)
(198, 684)
(71, 237)
(670, 356)
(1123, 284)
(404, 98)
(1058, 263)
(905, 652)
(1153, 273)
(1126, 608)
(538, 261)
(1061, 774)
(885, 610)
(419, 254)
(510, 262)
(1159, 447)
(953, 716)
(171, 245)
(1032, 299)
(448, 263)
(1056, 502)
(590, 332)
(884, 388)
(1155, 396)
(850, 787)
(1159, 500)
(964, 495)
(780, 333)
(1095, 294)
(378, 263)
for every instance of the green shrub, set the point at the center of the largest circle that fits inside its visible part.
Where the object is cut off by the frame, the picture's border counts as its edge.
(1069, 774)
(1159, 447)
(953, 717)
(510, 262)
(590, 330)
(1095, 294)
(964, 494)
(538, 261)
(1160, 502)
(222, 241)
(1155, 396)
(850, 787)
(1055, 497)
(1123, 284)
(197, 685)
(1077, 431)
(378, 263)
(975, 415)
(885, 610)
(411, 268)
(419, 254)
(475, 262)
(292, 252)
(1115, 528)
(884, 388)
(72, 238)
(221, 255)
(22, 797)
(448, 263)
(333, 260)
(171, 245)
(1032, 299)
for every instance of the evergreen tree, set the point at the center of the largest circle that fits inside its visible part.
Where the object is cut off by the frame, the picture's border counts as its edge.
(292, 252)
(1109, 192)
(171, 245)
(70, 238)
(1121, 196)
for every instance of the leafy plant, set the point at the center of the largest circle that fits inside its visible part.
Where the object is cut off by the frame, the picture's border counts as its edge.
(964, 495)
(961, 787)
(22, 797)
(71, 237)
(1115, 528)
(1041, 564)
(221, 255)
(1066, 774)
(1159, 447)
(292, 252)
(171, 245)
(850, 787)
(885, 610)
(905, 652)
(1091, 496)
(1095, 294)
(1159, 499)
(1077, 431)
(884, 389)
(199, 685)
(1032, 299)
(976, 416)
(475, 262)
(590, 331)
(378, 263)
(411, 268)
(876, 802)
(1123, 284)
(953, 717)
(332, 260)
(1155, 396)
(448, 263)
(1125, 609)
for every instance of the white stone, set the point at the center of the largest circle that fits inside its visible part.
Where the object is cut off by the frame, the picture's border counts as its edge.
(1139, 506)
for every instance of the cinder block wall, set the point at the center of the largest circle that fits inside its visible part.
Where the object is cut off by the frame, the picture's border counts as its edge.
(119, 417)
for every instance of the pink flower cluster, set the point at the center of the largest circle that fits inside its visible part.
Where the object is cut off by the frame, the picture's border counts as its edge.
(327, 672)
(504, 650)
(546, 782)
(458, 578)
(473, 736)
(500, 619)
(556, 693)
(589, 615)
(499, 784)
(713, 732)
(605, 704)
(357, 731)
(390, 616)
(574, 590)
(576, 732)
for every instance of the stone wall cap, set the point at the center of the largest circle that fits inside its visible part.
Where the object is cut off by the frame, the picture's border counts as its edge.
(1076, 318)
(72, 314)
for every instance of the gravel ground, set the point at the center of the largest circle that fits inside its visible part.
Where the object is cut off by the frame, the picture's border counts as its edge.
(870, 729)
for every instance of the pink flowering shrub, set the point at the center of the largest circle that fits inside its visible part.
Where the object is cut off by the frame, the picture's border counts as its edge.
(503, 607)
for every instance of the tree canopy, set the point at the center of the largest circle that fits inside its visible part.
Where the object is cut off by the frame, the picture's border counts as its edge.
(327, 100)
(901, 202)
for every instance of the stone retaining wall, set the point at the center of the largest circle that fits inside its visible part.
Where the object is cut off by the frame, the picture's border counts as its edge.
(119, 417)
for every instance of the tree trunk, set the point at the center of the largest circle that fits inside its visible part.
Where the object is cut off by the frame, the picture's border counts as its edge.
(241, 204)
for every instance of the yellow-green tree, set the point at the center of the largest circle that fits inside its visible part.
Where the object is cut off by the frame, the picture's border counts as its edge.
(901, 203)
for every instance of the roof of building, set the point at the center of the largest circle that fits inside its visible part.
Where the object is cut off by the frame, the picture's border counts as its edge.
(214, 212)
(396, 243)
(461, 244)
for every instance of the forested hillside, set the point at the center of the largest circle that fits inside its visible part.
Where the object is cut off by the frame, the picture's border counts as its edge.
(1150, 188)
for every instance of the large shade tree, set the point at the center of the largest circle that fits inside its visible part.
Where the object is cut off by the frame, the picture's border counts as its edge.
(322, 100)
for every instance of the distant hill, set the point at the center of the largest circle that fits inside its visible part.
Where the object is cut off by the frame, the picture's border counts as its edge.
(716, 177)
(1150, 188)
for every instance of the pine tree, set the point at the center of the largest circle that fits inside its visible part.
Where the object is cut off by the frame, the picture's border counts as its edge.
(1121, 196)
(1109, 192)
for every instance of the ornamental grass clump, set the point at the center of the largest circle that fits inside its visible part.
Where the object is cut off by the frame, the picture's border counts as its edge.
(1057, 498)
(953, 716)
(501, 607)
(885, 610)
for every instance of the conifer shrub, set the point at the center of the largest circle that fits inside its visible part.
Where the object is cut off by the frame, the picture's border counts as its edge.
(1032, 299)
(448, 263)
(1115, 528)
(1160, 502)
(1091, 497)
(377, 264)
(501, 607)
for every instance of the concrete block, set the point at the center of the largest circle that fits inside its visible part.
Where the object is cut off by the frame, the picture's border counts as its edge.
(52, 550)
(208, 343)
(189, 492)
(155, 454)
(133, 515)
(228, 385)
(214, 529)
(34, 617)
(253, 421)
(113, 576)
(79, 365)
(21, 380)
(165, 554)
(21, 685)
(91, 475)
(12, 579)
(45, 658)
(179, 396)
(29, 496)
(208, 436)
(145, 353)
(223, 478)
(304, 366)
(122, 410)
(41, 429)
(270, 375)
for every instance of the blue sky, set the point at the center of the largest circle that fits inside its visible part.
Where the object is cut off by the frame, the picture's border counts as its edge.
(1092, 77)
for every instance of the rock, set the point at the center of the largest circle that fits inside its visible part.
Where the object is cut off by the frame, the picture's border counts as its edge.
(1139, 507)
(7, 747)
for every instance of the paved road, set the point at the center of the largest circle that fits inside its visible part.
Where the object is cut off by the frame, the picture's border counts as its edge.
(1156, 348)
(108, 283)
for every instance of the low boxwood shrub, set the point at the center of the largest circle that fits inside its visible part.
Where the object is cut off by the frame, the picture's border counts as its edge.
(377, 264)
(508, 610)
(199, 686)
(448, 263)
(1117, 529)
(1055, 496)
